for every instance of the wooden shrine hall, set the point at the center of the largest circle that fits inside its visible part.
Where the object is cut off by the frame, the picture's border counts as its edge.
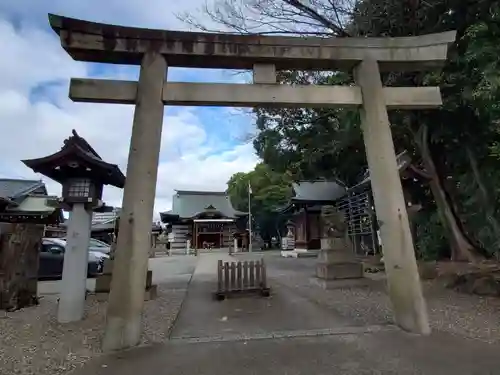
(206, 219)
(305, 209)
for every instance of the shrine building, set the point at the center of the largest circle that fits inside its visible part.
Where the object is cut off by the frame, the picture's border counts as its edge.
(205, 218)
(305, 208)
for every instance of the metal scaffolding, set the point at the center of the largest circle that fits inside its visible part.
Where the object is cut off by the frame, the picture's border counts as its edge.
(359, 214)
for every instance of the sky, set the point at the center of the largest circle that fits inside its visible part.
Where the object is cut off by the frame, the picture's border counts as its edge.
(201, 146)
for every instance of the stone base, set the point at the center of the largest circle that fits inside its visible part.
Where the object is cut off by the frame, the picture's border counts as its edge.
(149, 294)
(336, 271)
(339, 284)
(103, 282)
(299, 253)
(340, 255)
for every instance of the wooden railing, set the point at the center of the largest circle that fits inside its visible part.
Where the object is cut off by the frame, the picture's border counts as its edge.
(241, 277)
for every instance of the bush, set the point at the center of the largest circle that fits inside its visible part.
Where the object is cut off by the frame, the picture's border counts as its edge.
(430, 241)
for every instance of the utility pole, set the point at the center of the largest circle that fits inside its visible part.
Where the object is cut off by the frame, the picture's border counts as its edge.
(249, 218)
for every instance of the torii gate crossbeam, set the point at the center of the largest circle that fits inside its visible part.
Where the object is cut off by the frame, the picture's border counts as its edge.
(154, 49)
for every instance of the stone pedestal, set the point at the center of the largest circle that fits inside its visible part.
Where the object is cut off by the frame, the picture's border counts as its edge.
(103, 283)
(336, 261)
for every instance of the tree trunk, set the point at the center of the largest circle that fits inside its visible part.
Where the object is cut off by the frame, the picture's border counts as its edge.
(19, 258)
(461, 248)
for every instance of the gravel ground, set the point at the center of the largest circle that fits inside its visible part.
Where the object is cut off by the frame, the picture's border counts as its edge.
(456, 313)
(32, 342)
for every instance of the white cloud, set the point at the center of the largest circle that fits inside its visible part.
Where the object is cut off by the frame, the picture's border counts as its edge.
(156, 14)
(36, 115)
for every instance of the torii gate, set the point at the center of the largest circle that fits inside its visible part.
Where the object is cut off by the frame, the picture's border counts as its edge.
(153, 50)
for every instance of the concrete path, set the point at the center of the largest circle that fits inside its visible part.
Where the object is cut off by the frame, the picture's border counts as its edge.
(290, 334)
(250, 317)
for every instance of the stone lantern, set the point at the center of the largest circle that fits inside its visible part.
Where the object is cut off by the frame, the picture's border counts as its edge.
(82, 174)
(288, 241)
(290, 229)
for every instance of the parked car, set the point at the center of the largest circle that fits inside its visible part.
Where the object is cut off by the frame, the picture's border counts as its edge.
(52, 258)
(98, 246)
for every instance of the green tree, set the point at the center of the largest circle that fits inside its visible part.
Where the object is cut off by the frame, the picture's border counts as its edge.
(454, 147)
(270, 190)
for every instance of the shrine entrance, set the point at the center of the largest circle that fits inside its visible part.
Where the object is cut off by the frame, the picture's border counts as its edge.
(156, 50)
(211, 233)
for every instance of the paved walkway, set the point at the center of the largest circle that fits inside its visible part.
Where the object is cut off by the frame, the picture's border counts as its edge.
(290, 334)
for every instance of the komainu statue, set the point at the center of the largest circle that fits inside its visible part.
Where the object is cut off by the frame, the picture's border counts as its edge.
(333, 222)
(336, 259)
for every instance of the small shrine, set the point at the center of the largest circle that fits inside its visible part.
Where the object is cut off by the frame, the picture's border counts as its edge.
(305, 209)
(82, 173)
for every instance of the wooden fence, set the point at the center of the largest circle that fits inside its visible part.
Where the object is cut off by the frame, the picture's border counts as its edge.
(241, 277)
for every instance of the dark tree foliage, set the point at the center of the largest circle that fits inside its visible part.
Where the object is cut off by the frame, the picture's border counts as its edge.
(455, 149)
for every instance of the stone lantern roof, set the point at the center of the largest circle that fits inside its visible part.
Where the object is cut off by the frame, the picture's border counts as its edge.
(77, 158)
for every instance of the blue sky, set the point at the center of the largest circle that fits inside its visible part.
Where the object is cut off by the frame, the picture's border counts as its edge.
(201, 146)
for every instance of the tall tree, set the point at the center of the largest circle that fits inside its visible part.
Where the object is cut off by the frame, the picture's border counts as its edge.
(320, 142)
(270, 190)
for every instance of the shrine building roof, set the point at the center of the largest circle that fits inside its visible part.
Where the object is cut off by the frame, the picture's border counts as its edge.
(192, 204)
(14, 190)
(314, 193)
(26, 201)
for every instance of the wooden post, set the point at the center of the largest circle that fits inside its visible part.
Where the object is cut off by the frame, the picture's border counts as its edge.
(252, 274)
(219, 275)
(403, 278)
(245, 274)
(239, 276)
(233, 276)
(264, 275)
(226, 276)
(124, 316)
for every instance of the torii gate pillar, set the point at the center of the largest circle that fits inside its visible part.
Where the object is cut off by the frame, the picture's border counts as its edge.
(403, 278)
(126, 298)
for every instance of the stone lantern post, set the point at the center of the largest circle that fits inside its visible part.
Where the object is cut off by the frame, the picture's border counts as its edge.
(82, 173)
(289, 239)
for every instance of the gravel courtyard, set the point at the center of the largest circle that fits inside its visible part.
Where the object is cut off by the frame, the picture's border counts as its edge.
(32, 342)
(456, 313)
(301, 329)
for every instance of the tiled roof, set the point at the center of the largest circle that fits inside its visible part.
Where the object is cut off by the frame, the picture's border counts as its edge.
(318, 190)
(187, 204)
(15, 188)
